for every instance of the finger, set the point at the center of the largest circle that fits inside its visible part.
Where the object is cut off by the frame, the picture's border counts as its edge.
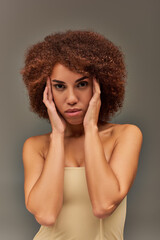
(97, 86)
(44, 92)
(49, 89)
(45, 95)
(94, 87)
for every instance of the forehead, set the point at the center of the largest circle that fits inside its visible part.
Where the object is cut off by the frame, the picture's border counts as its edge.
(61, 72)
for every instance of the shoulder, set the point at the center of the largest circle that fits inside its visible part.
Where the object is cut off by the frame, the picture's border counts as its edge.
(118, 128)
(131, 128)
(118, 131)
(39, 139)
(38, 143)
(128, 131)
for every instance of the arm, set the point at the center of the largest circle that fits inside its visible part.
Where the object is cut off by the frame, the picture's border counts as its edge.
(44, 183)
(109, 183)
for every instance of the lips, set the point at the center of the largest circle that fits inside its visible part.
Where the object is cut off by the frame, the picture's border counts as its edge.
(73, 110)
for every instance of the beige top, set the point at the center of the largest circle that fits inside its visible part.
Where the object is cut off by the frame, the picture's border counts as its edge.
(76, 220)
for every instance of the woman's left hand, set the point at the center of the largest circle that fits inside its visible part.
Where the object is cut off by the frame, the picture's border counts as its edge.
(92, 114)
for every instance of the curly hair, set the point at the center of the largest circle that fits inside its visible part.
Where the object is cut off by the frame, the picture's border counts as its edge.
(82, 51)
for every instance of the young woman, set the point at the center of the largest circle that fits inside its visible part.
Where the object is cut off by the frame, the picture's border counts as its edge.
(78, 175)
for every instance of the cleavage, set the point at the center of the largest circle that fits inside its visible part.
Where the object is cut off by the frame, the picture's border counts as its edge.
(74, 152)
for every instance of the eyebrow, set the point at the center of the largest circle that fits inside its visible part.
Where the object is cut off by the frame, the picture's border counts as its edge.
(59, 81)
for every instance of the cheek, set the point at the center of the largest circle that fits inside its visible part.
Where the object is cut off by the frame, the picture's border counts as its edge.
(88, 96)
(90, 92)
(56, 99)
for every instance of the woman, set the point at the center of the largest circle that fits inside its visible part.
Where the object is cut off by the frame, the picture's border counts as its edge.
(77, 176)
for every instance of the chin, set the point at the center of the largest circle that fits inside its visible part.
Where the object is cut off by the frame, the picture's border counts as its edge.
(74, 121)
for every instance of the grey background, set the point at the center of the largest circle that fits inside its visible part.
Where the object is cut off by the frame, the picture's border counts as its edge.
(133, 25)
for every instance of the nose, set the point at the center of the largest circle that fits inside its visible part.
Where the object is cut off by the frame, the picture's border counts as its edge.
(71, 97)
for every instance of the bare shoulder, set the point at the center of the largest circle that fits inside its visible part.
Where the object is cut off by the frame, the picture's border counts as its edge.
(41, 137)
(117, 131)
(39, 143)
(116, 128)
(126, 130)
(128, 127)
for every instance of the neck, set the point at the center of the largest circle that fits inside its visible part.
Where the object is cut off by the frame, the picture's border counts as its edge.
(74, 130)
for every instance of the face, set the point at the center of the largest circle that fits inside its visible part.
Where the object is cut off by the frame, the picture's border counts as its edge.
(71, 90)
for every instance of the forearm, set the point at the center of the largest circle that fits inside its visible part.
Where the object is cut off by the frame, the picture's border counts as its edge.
(102, 183)
(46, 197)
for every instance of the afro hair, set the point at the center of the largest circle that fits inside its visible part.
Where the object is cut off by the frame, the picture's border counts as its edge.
(82, 51)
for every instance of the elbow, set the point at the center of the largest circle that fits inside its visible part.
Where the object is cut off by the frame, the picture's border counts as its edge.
(45, 221)
(104, 212)
(42, 220)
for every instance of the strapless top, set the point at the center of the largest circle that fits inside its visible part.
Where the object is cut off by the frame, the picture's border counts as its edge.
(76, 220)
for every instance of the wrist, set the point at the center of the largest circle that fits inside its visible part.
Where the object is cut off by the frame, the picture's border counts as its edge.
(54, 134)
(90, 128)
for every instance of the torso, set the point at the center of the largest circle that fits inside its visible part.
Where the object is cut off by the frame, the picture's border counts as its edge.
(74, 147)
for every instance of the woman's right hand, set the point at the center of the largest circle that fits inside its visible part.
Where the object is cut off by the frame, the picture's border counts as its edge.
(57, 122)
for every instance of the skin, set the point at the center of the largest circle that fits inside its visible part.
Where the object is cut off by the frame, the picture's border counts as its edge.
(110, 153)
(77, 95)
(71, 95)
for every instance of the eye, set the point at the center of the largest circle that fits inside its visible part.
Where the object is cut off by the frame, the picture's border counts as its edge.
(61, 87)
(55, 85)
(84, 83)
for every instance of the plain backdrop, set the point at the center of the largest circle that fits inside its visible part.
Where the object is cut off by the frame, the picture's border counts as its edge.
(132, 25)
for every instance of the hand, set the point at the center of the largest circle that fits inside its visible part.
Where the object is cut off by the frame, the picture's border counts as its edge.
(57, 122)
(92, 114)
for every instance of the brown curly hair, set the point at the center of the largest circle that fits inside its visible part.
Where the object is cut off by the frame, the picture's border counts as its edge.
(82, 51)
